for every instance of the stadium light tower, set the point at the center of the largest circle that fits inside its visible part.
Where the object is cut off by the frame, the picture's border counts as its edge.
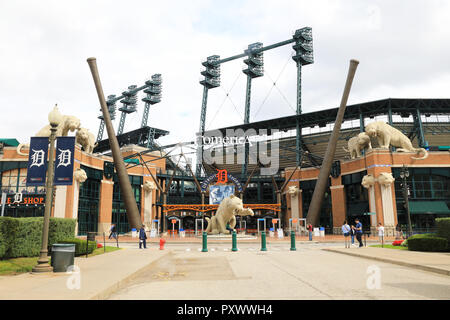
(255, 69)
(153, 92)
(303, 56)
(129, 106)
(211, 80)
(111, 104)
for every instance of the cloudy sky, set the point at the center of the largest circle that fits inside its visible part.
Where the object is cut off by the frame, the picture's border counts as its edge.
(403, 48)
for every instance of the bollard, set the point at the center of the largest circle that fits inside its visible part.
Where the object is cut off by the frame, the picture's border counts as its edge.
(234, 242)
(104, 243)
(204, 240)
(263, 241)
(161, 243)
(293, 241)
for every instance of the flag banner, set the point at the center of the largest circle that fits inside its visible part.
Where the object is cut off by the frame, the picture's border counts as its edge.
(65, 147)
(37, 161)
(219, 192)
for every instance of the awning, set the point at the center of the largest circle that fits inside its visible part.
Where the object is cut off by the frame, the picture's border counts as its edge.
(9, 142)
(428, 207)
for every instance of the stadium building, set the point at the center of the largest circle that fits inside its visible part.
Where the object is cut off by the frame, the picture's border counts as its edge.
(96, 202)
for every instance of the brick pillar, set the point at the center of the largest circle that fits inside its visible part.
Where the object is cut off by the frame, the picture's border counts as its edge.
(105, 209)
(338, 204)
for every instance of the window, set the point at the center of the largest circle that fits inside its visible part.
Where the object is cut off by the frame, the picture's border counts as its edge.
(15, 180)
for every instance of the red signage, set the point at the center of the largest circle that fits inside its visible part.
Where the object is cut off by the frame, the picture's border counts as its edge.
(25, 199)
(173, 221)
(222, 176)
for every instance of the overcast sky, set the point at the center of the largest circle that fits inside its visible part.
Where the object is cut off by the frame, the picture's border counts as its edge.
(403, 48)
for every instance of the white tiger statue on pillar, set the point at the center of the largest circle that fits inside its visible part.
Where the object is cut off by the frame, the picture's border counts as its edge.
(68, 123)
(387, 135)
(86, 139)
(358, 143)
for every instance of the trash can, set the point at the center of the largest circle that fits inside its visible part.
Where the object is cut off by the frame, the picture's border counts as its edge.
(63, 255)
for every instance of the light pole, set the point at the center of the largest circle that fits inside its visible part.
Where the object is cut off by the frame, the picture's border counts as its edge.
(404, 173)
(54, 118)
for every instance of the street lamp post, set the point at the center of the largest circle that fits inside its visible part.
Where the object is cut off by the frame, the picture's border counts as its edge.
(54, 118)
(404, 173)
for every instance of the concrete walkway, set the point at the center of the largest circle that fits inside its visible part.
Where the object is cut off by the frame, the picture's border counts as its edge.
(96, 278)
(437, 262)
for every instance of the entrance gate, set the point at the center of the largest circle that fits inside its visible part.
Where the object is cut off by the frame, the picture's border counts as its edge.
(154, 231)
(176, 225)
(258, 224)
(298, 225)
(197, 222)
(242, 225)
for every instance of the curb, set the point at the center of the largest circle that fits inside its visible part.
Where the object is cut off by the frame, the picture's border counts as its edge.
(401, 263)
(104, 294)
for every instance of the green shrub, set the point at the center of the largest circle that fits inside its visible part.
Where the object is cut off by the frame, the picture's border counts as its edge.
(80, 245)
(22, 237)
(8, 226)
(27, 238)
(427, 242)
(60, 229)
(443, 228)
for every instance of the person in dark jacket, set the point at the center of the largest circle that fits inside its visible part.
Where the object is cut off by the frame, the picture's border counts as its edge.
(142, 238)
(113, 232)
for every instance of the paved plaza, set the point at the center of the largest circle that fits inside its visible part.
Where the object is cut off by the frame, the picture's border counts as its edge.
(182, 271)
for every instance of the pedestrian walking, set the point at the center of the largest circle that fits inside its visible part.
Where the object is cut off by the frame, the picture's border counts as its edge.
(142, 237)
(310, 230)
(380, 229)
(346, 231)
(359, 232)
(398, 232)
(113, 232)
(352, 234)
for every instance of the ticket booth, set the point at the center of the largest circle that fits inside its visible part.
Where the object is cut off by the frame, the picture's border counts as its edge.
(174, 225)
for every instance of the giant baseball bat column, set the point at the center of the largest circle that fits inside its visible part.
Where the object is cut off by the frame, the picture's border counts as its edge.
(319, 191)
(125, 186)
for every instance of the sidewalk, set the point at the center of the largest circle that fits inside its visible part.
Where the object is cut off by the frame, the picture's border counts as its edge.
(98, 276)
(437, 262)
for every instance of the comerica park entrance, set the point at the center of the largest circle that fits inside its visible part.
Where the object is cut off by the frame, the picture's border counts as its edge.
(190, 219)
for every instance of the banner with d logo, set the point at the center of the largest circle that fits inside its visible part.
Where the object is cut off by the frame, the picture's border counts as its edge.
(65, 147)
(37, 161)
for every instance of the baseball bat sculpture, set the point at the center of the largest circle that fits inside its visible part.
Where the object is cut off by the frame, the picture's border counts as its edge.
(319, 191)
(125, 186)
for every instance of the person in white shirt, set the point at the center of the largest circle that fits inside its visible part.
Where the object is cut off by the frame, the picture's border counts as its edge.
(346, 232)
(381, 233)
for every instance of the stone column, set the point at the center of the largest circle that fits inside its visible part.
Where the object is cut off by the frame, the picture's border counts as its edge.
(296, 205)
(385, 180)
(60, 202)
(148, 188)
(79, 176)
(368, 182)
